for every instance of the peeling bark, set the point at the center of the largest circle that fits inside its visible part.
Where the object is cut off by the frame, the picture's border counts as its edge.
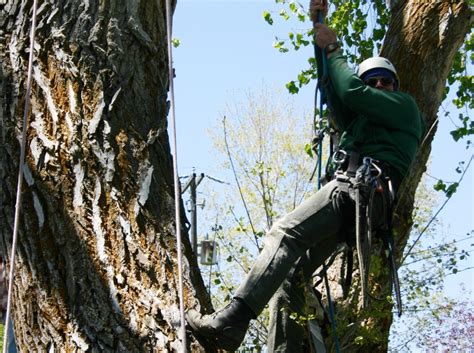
(96, 262)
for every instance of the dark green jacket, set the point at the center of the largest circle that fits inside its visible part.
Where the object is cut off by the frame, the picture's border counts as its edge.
(386, 126)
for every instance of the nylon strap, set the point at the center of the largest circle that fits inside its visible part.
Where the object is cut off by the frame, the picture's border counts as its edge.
(360, 243)
(363, 207)
(389, 245)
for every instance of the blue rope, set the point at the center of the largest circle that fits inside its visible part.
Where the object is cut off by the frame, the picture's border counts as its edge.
(321, 55)
(322, 66)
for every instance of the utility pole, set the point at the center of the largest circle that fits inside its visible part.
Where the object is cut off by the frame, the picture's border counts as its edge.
(193, 184)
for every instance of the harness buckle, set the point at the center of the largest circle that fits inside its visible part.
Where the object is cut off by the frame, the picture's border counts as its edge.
(376, 171)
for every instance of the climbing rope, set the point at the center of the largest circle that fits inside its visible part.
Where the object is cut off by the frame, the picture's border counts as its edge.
(321, 55)
(321, 58)
(20, 180)
(177, 191)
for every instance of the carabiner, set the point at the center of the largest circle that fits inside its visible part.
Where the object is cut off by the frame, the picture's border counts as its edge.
(339, 157)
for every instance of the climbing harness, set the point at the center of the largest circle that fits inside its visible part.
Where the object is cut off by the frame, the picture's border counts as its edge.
(367, 180)
(177, 191)
(20, 179)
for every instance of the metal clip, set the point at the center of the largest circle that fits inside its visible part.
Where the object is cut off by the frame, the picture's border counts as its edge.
(390, 190)
(377, 169)
(339, 157)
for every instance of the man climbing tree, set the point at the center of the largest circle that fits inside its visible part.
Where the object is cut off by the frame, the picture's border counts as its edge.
(381, 129)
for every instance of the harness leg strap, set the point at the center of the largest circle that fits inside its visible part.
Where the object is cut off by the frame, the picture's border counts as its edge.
(361, 244)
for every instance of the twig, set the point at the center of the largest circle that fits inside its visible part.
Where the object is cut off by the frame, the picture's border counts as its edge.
(435, 215)
(442, 245)
(238, 184)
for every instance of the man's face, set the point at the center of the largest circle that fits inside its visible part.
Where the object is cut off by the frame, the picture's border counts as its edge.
(381, 82)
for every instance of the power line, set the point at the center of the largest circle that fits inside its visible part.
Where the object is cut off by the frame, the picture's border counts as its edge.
(435, 215)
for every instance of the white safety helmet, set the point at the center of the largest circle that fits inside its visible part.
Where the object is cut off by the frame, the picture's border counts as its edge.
(374, 65)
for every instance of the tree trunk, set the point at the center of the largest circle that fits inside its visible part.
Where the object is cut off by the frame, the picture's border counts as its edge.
(422, 40)
(96, 259)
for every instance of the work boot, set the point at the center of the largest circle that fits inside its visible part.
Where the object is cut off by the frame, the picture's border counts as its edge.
(225, 328)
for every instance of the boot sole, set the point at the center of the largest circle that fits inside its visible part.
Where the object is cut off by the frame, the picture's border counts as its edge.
(214, 340)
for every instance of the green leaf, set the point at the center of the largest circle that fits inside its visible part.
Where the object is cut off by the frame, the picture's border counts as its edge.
(451, 189)
(293, 7)
(279, 44)
(175, 42)
(284, 14)
(291, 86)
(308, 149)
(466, 128)
(303, 79)
(267, 17)
(440, 186)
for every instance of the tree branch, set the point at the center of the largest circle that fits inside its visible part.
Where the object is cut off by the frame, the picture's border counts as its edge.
(237, 181)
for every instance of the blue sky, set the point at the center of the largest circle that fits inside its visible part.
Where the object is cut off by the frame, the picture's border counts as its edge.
(226, 47)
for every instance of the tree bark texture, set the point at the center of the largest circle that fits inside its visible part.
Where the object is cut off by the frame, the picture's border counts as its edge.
(96, 262)
(422, 40)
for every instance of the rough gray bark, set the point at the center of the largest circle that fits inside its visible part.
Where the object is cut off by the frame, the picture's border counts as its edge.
(422, 40)
(96, 259)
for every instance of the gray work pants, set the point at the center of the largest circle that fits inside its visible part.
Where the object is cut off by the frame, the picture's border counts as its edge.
(294, 247)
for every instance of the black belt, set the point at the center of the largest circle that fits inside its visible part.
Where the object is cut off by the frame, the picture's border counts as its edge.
(347, 163)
